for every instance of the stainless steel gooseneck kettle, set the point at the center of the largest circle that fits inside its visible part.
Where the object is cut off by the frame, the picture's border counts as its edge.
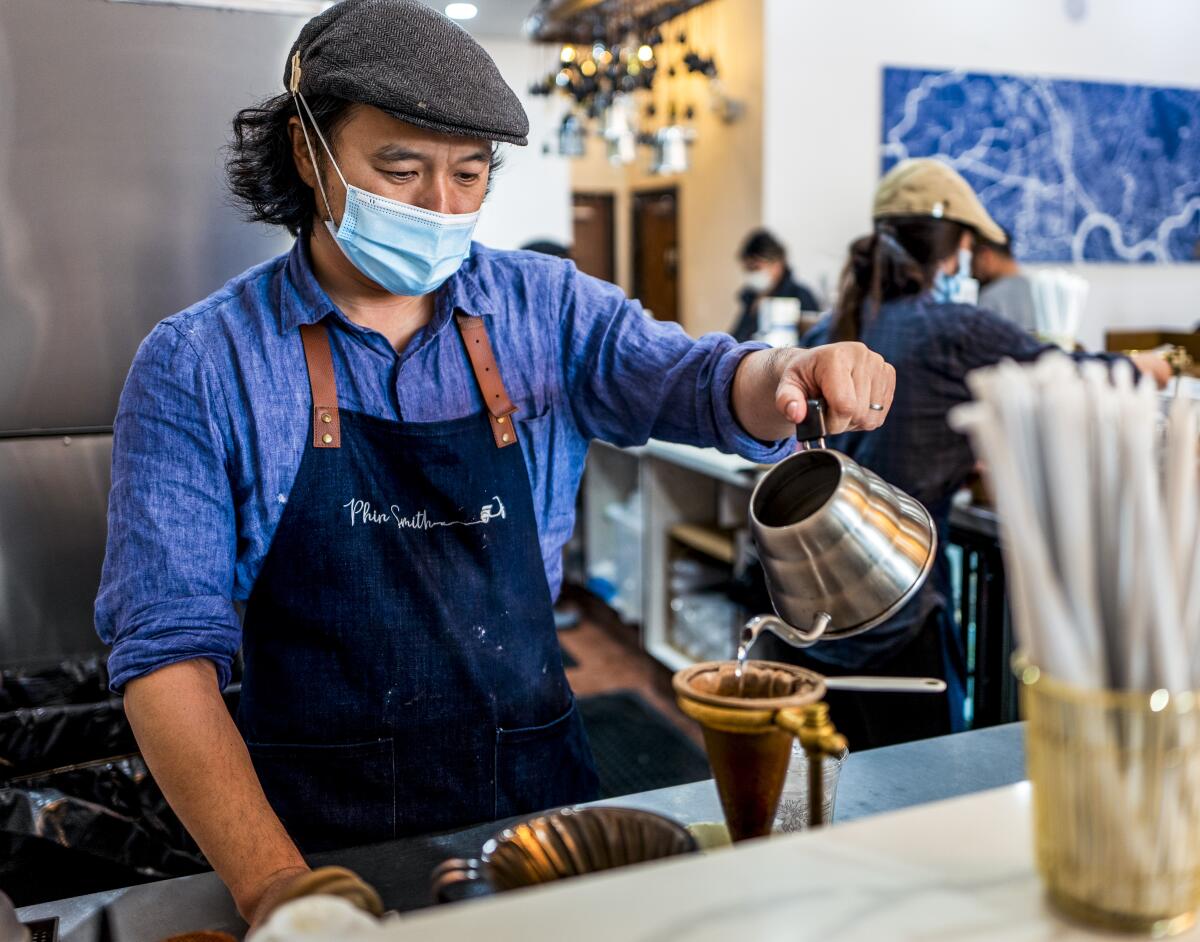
(842, 549)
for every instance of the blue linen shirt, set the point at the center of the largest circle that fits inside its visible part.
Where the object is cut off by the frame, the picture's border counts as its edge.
(215, 416)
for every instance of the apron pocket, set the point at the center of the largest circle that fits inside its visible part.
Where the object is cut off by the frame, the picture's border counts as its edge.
(330, 797)
(544, 767)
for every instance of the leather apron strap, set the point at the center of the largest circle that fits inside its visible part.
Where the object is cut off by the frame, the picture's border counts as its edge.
(487, 375)
(326, 427)
(473, 330)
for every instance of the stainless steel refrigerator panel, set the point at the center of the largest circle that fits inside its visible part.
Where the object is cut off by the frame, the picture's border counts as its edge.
(53, 500)
(113, 208)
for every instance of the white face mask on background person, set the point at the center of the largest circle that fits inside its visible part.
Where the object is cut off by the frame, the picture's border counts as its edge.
(404, 249)
(959, 288)
(759, 281)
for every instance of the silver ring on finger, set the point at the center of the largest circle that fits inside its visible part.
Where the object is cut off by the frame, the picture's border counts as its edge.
(875, 406)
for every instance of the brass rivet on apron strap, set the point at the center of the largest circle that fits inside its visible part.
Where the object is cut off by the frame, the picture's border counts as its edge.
(326, 417)
(327, 438)
(504, 437)
(500, 421)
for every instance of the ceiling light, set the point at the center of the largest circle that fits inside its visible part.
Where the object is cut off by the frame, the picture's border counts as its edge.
(461, 11)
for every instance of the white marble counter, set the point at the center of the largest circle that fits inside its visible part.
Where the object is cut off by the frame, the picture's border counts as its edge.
(959, 869)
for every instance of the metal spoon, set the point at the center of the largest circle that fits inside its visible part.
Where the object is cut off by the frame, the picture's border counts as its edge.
(887, 684)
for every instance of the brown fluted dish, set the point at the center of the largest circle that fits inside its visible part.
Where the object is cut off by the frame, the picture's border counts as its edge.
(567, 843)
(572, 842)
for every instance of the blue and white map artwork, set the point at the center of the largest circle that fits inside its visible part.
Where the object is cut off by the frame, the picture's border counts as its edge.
(1076, 171)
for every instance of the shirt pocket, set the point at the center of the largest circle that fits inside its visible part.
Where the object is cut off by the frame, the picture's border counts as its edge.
(544, 767)
(549, 468)
(330, 796)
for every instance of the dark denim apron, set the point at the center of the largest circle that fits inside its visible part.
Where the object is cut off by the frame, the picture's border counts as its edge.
(402, 671)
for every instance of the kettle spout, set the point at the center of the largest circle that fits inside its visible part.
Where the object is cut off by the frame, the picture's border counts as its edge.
(781, 629)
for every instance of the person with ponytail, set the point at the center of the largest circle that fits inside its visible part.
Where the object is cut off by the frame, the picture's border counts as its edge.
(906, 292)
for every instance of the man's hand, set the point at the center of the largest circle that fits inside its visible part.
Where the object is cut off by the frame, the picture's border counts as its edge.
(295, 882)
(771, 387)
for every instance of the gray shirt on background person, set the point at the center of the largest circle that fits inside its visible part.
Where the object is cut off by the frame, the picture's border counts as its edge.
(1012, 298)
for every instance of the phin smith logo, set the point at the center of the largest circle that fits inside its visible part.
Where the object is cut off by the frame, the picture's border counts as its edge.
(361, 511)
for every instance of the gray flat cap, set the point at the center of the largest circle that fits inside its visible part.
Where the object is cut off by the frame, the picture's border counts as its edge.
(410, 61)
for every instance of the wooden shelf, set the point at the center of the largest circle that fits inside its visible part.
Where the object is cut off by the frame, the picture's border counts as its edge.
(706, 540)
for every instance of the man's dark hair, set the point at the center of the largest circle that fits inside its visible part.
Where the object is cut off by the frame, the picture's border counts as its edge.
(761, 244)
(262, 172)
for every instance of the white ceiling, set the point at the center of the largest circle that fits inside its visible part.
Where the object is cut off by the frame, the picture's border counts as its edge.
(496, 17)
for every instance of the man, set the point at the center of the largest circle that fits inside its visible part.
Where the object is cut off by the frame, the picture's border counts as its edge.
(1003, 288)
(370, 446)
(767, 275)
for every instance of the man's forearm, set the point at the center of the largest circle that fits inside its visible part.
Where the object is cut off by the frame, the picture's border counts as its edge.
(198, 758)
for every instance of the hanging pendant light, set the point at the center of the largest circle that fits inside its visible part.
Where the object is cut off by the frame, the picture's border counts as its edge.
(572, 136)
(622, 57)
(671, 150)
(620, 136)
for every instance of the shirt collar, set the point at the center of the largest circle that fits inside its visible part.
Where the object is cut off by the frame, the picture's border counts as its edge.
(467, 290)
(304, 301)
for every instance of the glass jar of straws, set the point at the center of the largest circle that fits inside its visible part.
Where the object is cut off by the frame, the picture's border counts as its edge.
(1116, 801)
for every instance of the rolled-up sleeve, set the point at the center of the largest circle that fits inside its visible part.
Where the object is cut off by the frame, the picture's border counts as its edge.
(631, 378)
(167, 584)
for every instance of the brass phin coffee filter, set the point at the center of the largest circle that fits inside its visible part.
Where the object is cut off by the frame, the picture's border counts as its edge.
(748, 723)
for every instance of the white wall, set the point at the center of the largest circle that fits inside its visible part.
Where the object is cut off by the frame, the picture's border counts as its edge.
(823, 113)
(531, 196)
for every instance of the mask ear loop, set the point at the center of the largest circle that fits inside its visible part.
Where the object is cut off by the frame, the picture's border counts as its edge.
(298, 98)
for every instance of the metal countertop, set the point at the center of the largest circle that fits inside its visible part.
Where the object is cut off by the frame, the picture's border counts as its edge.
(871, 782)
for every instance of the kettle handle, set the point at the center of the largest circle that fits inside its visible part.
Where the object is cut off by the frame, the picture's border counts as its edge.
(810, 433)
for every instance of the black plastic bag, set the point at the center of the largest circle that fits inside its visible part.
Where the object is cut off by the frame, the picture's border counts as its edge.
(43, 738)
(84, 680)
(81, 829)
(79, 812)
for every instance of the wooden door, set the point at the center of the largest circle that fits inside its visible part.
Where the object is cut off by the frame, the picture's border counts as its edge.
(594, 227)
(656, 252)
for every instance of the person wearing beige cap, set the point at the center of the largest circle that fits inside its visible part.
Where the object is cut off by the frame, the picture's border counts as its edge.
(906, 292)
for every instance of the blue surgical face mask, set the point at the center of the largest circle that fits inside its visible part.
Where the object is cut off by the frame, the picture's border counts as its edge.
(960, 287)
(404, 249)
